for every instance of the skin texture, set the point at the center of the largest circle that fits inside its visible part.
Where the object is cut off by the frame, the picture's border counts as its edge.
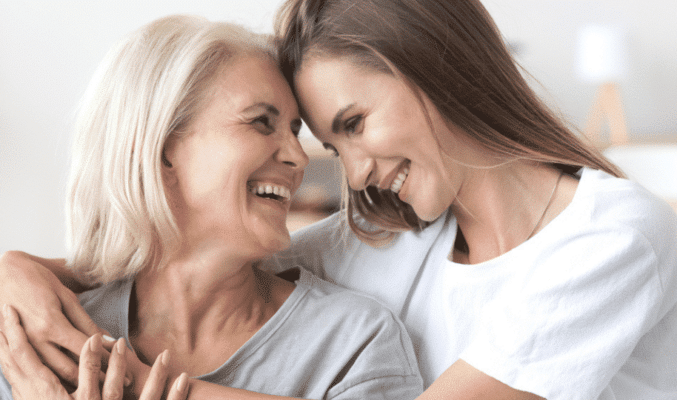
(383, 127)
(371, 149)
(376, 124)
(246, 132)
(30, 379)
(208, 299)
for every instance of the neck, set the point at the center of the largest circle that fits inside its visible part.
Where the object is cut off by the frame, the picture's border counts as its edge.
(499, 208)
(198, 302)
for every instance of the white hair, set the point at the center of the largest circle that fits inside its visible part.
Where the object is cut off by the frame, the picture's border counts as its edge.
(147, 88)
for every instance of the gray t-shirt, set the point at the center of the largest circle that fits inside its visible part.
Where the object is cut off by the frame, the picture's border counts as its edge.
(325, 342)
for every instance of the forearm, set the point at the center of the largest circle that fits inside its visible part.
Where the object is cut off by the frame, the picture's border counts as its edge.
(200, 390)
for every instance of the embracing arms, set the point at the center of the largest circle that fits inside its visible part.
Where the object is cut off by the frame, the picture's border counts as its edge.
(53, 319)
(30, 379)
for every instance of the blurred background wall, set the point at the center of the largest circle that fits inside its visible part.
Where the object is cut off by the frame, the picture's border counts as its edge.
(49, 50)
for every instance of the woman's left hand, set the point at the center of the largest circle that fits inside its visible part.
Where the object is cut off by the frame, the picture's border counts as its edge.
(30, 379)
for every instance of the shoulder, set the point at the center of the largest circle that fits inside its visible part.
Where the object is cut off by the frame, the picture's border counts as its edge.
(105, 293)
(313, 246)
(108, 305)
(347, 306)
(332, 251)
(627, 213)
(368, 344)
(623, 202)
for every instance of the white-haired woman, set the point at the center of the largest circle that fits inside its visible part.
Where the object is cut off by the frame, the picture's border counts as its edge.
(186, 157)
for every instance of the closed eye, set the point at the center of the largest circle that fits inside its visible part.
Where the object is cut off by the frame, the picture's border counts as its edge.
(263, 123)
(331, 148)
(352, 124)
(296, 127)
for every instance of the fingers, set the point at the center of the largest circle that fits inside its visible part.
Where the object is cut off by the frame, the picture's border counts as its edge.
(90, 366)
(76, 314)
(6, 363)
(155, 384)
(22, 367)
(50, 337)
(113, 386)
(22, 355)
(62, 365)
(179, 390)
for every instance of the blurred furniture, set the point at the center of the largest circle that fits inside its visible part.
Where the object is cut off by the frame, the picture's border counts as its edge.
(608, 107)
(602, 60)
(320, 193)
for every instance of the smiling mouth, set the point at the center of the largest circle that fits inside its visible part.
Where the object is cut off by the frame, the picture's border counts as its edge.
(399, 179)
(269, 191)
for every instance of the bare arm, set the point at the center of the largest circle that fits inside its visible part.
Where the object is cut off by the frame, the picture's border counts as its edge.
(57, 266)
(35, 286)
(461, 381)
(52, 316)
(30, 379)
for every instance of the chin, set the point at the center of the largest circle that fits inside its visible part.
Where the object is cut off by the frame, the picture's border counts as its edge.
(429, 215)
(276, 243)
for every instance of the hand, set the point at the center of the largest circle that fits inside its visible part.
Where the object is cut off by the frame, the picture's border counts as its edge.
(30, 379)
(157, 379)
(149, 382)
(52, 316)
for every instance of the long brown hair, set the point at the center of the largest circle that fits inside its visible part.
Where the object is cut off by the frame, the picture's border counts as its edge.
(449, 50)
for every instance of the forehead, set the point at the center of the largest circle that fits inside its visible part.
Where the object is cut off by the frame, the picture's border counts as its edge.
(326, 85)
(249, 79)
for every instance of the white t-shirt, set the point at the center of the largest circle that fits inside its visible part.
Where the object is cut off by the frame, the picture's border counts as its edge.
(586, 309)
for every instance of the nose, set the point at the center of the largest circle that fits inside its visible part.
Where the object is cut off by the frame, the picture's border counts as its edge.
(291, 152)
(359, 168)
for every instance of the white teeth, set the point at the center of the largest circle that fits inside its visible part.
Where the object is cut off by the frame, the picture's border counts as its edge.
(258, 188)
(399, 180)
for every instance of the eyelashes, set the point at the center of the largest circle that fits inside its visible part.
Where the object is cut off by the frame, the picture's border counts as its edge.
(351, 125)
(296, 127)
(266, 124)
(331, 148)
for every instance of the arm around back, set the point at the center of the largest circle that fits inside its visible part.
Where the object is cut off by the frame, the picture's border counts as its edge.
(50, 312)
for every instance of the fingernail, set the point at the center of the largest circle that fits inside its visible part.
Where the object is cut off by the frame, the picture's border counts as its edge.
(121, 347)
(108, 338)
(182, 382)
(95, 343)
(165, 358)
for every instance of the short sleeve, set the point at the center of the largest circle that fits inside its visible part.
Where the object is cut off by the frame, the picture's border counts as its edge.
(383, 388)
(383, 364)
(574, 318)
(371, 351)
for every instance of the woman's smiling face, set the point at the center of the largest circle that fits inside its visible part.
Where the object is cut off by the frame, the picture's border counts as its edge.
(380, 130)
(240, 145)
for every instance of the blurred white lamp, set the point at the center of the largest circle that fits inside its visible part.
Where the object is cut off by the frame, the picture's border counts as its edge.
(602, 60)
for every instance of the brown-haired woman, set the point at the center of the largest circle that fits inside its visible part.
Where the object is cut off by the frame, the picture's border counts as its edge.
(530, 267)
(521, 261)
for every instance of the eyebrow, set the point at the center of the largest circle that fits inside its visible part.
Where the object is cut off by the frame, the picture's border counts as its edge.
(268, 107)
(339, 115)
